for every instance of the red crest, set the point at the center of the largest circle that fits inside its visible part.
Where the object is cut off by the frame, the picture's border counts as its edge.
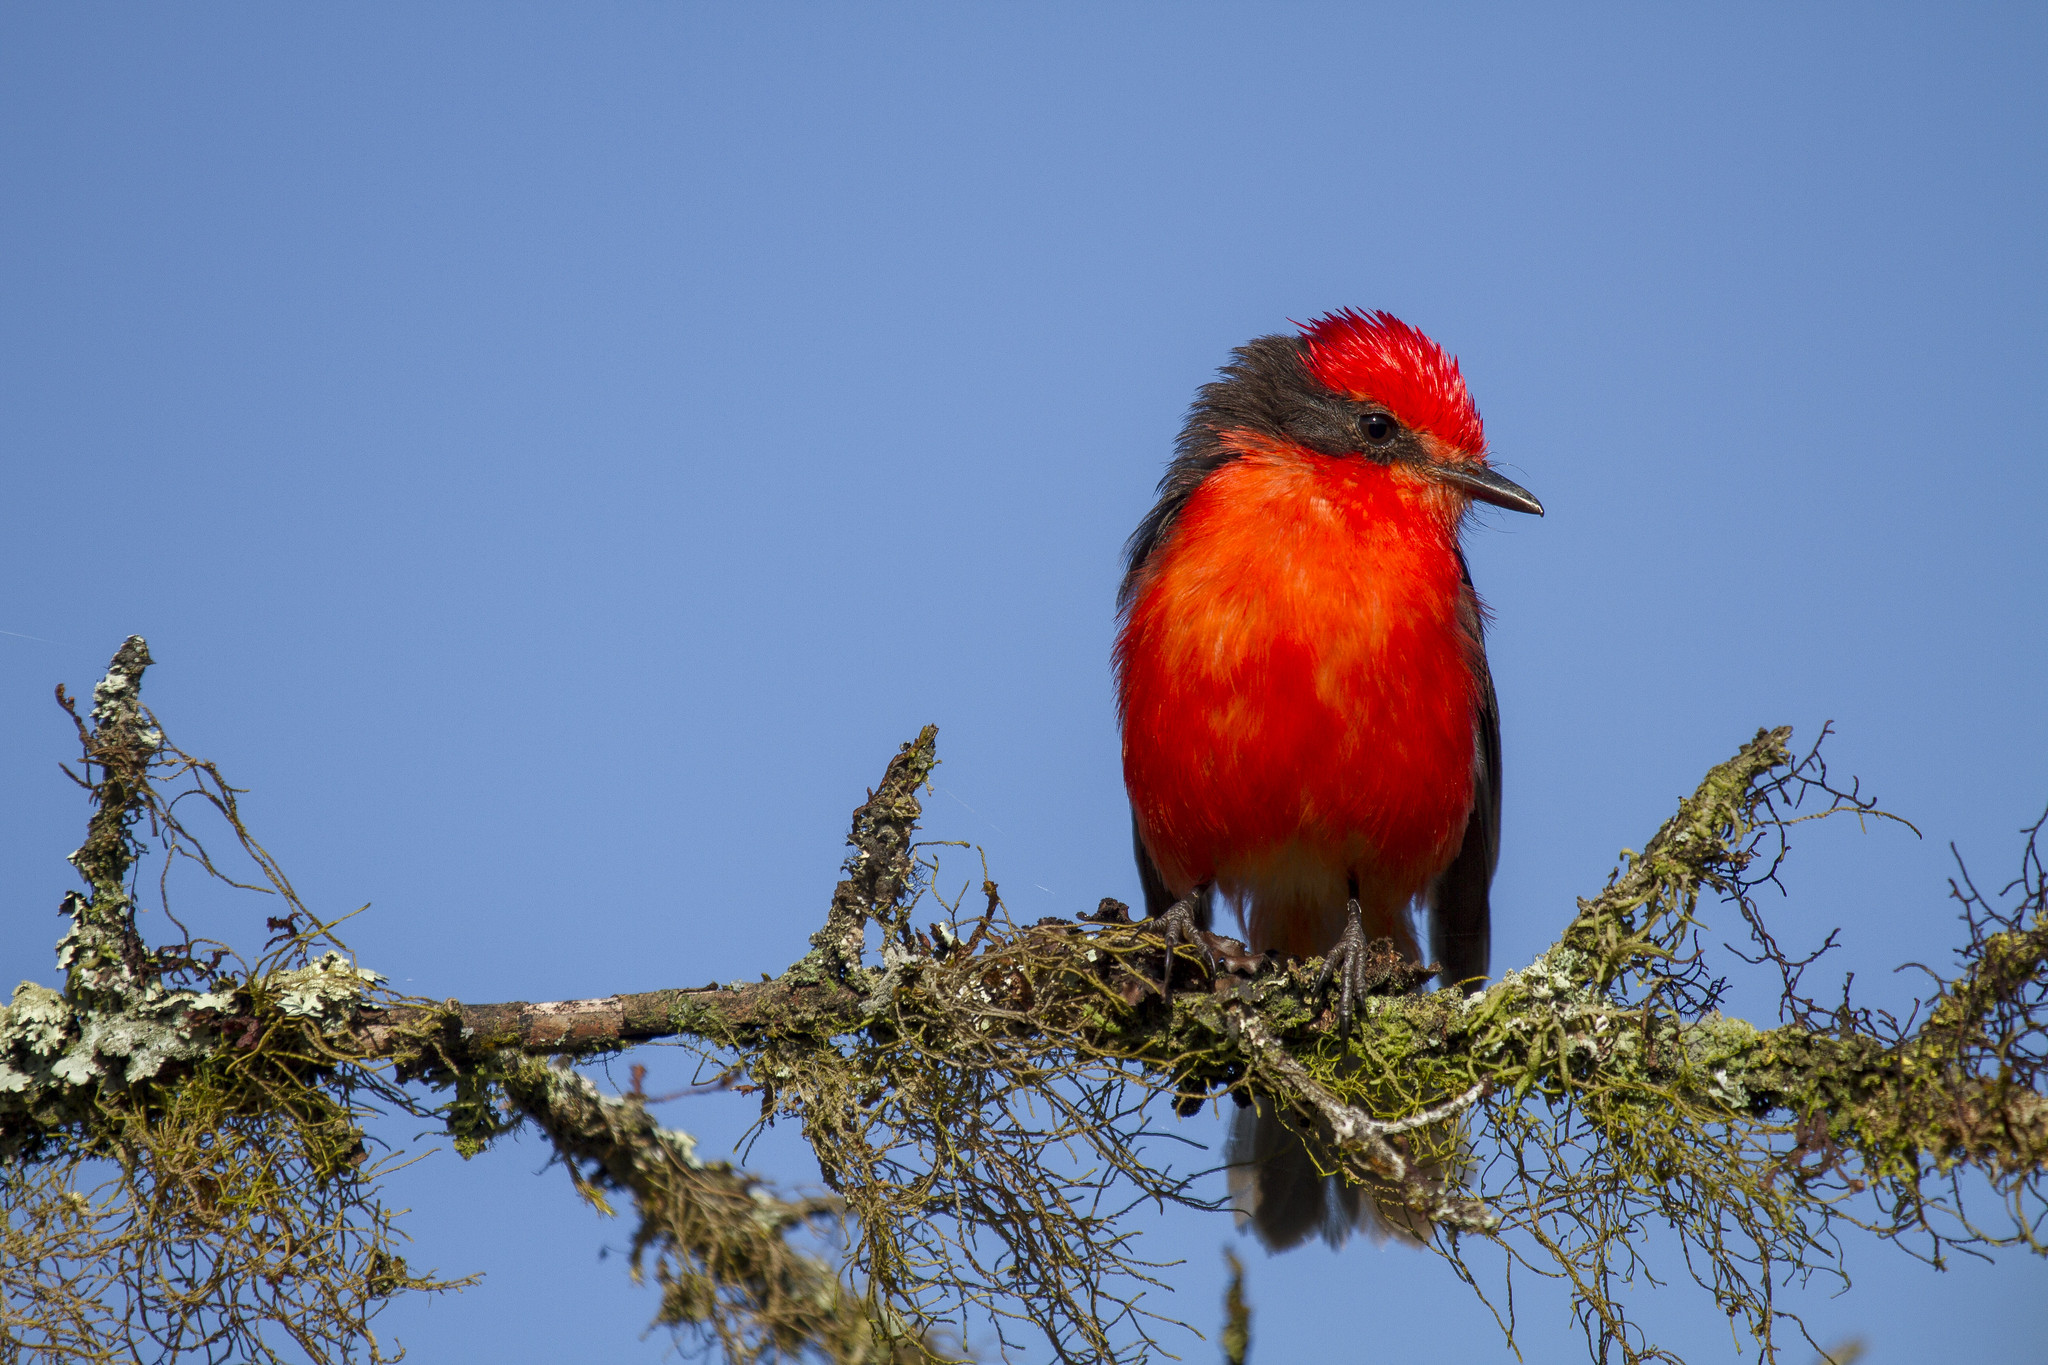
(1377, 356)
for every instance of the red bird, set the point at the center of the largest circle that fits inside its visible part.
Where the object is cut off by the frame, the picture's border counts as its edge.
(1309, 727)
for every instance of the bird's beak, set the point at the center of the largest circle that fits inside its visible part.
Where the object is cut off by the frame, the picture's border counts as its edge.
(1478, 482)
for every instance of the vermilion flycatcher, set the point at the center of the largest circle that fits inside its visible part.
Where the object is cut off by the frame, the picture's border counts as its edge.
(1309, 727)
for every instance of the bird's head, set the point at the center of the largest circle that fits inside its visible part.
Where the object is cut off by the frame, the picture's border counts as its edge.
(1363, 385)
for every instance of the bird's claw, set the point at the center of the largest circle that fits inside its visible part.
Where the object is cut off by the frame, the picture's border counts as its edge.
(1348, 961)
(1179, 928)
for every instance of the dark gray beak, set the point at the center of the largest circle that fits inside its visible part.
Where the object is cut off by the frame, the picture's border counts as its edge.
(1481, 484)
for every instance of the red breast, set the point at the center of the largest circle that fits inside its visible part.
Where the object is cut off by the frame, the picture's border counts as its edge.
(1295, 683)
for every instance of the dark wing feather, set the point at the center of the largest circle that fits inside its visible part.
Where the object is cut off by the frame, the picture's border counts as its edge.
(1158, 899)
(1460, 911)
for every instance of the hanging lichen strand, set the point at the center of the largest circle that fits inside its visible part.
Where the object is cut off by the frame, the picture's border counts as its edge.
(991, 1103)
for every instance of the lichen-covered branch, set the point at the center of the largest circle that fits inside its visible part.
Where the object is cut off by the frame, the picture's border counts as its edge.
(879, 871)
(991, 1103)
(103, 954)
(719, 1244)
(1603, 1079)
(1351, 1135)
(184, 1171)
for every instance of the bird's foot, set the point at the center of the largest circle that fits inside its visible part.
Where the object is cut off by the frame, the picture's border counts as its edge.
(1180, 928)
(1363, 966)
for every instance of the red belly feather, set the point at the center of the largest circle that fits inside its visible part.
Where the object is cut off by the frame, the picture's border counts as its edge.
(1295, 684)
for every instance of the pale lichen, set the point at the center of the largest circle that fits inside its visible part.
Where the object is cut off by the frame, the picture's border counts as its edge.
(328, 990)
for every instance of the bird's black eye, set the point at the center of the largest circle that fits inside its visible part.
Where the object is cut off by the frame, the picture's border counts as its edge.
(1380, 428)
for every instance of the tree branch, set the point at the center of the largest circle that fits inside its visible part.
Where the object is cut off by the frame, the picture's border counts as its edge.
(983, 1108)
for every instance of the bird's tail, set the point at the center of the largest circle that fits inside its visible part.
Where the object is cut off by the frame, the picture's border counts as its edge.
(1278, 1186)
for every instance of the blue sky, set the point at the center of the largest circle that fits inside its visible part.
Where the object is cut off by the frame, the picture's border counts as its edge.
(557, 452)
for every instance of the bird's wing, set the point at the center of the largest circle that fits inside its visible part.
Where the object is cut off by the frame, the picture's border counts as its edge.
(1460, 915)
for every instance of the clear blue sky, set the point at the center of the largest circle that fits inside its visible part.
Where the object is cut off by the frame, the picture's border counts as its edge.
(557, 452)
